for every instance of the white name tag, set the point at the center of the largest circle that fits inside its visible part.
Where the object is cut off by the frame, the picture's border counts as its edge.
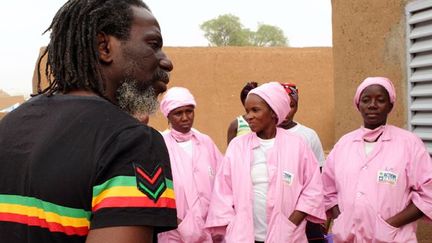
(288, 177)
(387, 177)
(211, 171)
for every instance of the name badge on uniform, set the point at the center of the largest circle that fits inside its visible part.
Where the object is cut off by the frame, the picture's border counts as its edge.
(387, 177)
(211, 171)
(287, 177)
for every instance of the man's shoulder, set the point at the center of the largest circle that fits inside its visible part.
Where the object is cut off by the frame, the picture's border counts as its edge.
(306, 131)
(305, 128)
(92, 112)
(93, 109)
(67, 104)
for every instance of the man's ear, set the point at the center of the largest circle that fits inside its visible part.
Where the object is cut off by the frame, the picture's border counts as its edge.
(104, 46)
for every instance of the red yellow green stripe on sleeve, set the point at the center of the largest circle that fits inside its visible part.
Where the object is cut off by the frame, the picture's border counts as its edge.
(122, 191)
(35, 212)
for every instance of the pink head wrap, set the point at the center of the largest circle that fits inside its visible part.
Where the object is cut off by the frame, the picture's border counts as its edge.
(276, 97)
(174, 98)
(384, 82)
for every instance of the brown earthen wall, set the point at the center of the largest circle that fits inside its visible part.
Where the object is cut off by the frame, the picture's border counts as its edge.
(7, 101)
(368, 40)
(216, 75)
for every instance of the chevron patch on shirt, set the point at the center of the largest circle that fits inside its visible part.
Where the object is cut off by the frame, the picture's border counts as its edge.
(152, 184)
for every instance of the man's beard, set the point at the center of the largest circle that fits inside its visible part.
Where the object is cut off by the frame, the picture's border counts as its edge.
(136, 100)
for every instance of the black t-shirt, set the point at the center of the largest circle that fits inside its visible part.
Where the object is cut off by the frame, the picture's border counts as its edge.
(71, 163)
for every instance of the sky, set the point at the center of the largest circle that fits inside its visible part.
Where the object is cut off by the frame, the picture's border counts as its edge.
(306, 23)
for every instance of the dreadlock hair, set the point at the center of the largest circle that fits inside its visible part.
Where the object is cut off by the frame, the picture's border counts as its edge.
(246, 89)
(73, 61)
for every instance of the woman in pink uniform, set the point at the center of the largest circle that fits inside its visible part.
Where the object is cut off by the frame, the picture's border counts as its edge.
(194, 161)
(378, 178)
(269, 181)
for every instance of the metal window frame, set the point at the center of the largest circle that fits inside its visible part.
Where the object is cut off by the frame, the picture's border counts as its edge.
(419, 69)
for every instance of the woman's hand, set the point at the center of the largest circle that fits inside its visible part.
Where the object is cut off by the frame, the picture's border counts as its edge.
(333, 212)
(410, 214)
(297, 217)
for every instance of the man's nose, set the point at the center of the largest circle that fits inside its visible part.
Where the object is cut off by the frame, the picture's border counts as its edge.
(166, 63)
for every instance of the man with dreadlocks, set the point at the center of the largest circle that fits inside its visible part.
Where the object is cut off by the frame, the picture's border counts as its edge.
(74, 165)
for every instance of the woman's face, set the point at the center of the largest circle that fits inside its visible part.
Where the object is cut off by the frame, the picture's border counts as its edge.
(182, 118)
(259, 115)
(374, 106)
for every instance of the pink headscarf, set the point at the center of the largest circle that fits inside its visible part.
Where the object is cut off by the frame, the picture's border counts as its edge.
(385, 82)
(174, 98)
(276, 97)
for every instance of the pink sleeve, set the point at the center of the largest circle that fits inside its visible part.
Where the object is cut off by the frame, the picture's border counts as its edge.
(420, 179)
(329, 183)
(311, 197)
(218, 157)
(221, 209)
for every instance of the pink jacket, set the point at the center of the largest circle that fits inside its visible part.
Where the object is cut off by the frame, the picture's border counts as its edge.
(294, 184)
(370, 189)
(193, 182)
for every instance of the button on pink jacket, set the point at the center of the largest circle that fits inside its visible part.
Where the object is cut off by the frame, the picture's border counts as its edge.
(370, 189)
(193, 180)
(294, 184)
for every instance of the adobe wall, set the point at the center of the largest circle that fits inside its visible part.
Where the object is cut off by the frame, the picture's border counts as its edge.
(368, 40)
(7, 101)
(216, 75)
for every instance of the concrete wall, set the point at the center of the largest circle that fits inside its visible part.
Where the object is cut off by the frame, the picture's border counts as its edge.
(368, 40)
(216, 75)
